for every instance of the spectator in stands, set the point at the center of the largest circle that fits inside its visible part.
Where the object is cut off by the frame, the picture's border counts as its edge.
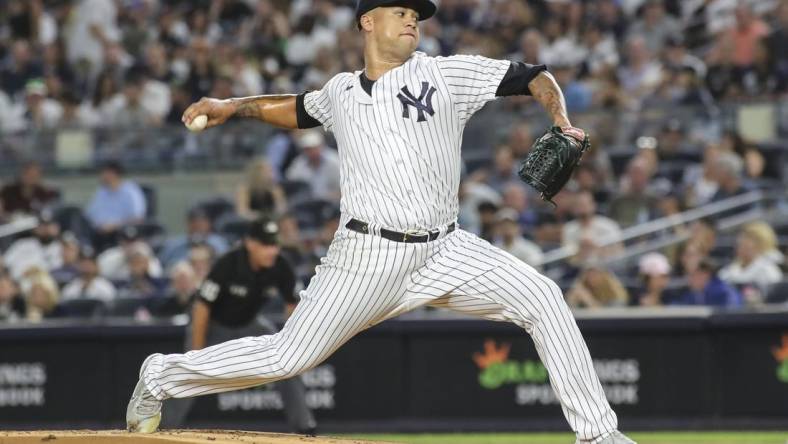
(69, 260)
(702, 238)
(12, 305)
(549, 229)
(21, 67)
(39, 112)
(642, 72)
(741, 40)
(510, 238)
(655, 26)
(502, 172)
(93, 27)
(140, 283)
(114, 263)
(706, 288)
(676, 57)
(753, 269)
(317, 165)
(754, 162)
(515, 197)
(105, 90)
(734, 53)
(201, 258)
(259, 194)
(635, 202)
(199, 229)
(601, 50)
(183, 284)
(142, 103)
(597, 288)
(600, 233)
(727, 172)
(777, 45)
(89, 284)
(520, 140)
(116, 203)
(487, 211)
(28, 194)
(41, 250)
(578, 95)
(671, 143)
(76, 115)
(654, 273)
(41, 295)
(699, 180)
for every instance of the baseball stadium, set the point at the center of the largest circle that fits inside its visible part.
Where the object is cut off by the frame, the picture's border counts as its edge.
(394, 221)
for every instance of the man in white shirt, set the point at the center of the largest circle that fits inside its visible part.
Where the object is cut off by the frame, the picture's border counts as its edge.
(89, 285)
(41, 250)
(591, 229)
(511, 240)
(317, 165)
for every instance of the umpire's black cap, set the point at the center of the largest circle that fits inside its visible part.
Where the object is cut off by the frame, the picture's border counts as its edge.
(264, 230)
(425, 8)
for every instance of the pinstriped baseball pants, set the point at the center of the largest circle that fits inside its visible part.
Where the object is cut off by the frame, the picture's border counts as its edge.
(365, 279)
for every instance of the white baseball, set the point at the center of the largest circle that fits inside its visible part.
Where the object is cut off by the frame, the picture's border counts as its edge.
(198, 123)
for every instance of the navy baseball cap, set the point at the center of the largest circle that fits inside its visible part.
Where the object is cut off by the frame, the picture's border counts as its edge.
(425, 8)
(264, 230)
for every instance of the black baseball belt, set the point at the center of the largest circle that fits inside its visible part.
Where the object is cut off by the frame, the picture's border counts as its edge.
(396, 236)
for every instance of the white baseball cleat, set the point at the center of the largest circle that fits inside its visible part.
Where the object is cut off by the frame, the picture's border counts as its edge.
(144, 411)
(614, 437)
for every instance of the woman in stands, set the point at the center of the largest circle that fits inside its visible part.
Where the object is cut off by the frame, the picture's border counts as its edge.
(259, 194)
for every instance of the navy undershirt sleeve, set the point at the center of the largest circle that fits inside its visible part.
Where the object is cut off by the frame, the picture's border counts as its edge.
(515, 82)
(304, 119)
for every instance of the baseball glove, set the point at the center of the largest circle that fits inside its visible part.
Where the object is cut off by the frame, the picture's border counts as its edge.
(552, 159)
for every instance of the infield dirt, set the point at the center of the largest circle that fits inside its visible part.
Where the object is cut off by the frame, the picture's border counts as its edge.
(165, 437)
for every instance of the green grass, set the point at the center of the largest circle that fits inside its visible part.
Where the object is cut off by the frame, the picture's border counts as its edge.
(564, 438)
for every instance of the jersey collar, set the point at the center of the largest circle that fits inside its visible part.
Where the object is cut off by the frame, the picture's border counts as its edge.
(358, 92)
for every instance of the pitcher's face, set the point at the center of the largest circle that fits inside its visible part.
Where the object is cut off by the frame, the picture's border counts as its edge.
(395, 29)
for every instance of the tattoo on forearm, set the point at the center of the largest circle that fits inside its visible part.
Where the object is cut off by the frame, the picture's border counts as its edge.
(546, 91)
(254, 106)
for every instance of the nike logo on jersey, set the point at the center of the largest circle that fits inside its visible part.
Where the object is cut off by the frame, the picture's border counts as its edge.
(423, 103)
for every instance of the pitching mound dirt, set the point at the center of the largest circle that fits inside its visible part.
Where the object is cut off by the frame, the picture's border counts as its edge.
(166, 437)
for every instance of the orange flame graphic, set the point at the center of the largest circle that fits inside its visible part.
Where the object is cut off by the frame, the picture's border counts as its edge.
(492, 354)
(781, 353)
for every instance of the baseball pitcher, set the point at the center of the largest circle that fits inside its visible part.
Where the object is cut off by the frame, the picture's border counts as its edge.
(399, 125)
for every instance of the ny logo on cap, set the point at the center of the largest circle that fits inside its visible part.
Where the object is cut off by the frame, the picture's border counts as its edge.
(422, 104)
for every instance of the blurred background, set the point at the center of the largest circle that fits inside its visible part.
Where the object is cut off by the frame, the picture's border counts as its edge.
(669, 241)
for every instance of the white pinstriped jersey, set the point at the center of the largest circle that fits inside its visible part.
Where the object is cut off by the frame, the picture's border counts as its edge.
(400, 148)
(400, 169)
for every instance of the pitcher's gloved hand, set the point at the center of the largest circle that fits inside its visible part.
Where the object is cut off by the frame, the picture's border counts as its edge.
(552, 159)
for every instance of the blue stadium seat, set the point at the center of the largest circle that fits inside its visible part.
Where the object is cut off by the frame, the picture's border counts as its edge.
(314, 213)
(232, 226)
(778, 293)
(216, 207)
(81, 308)
(126, 306)
(151, 199)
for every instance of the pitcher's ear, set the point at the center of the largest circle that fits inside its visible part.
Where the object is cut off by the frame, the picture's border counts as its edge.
(365, 23)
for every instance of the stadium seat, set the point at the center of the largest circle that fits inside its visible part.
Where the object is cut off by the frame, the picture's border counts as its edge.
(71, 218)
(314, 213)
(216, 207)
(296, 190)
(232, 226)
(126, 307)
(81, 308)
(151, 199)
(778, 293)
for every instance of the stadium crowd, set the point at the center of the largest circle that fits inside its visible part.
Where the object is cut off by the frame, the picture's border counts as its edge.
(136, 64)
